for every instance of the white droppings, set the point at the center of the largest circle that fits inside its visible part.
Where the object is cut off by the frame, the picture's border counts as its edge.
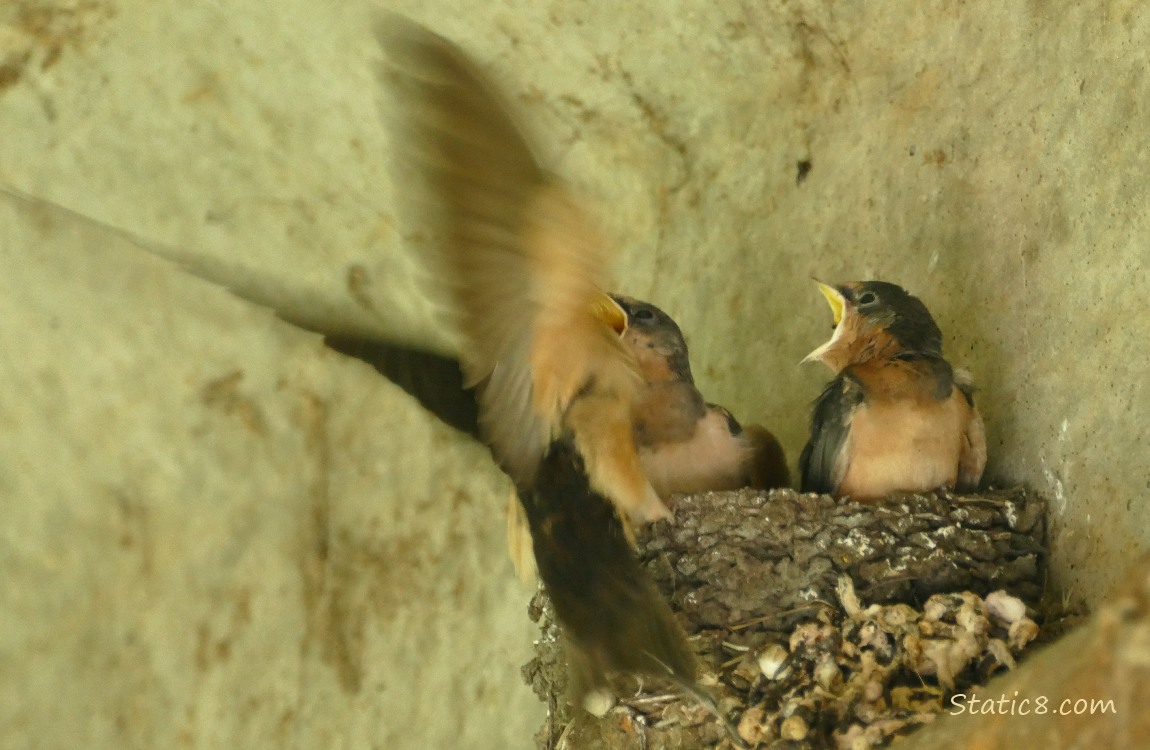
(810, 594)
(1009, 609)
(900, 566)
(598, 702)
(1055, 485)
(771, 661)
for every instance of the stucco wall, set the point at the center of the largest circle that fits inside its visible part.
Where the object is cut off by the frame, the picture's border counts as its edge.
(217, 534)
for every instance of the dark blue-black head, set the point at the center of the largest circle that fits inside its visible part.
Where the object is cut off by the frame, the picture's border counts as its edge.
(656, 339)
(864, 311)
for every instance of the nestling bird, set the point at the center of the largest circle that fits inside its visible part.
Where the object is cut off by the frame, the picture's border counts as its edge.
(685, 443)
(897, 416)
(521, 272)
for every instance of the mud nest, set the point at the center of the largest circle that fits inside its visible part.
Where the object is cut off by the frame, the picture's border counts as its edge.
(818, 623)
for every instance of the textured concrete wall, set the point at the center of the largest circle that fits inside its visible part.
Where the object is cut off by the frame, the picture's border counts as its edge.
(219, 535)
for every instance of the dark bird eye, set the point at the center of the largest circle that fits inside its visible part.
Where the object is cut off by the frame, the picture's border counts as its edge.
(643, 315)
(867, 298)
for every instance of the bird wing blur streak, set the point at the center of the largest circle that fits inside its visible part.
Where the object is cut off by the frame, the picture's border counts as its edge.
(521, 272)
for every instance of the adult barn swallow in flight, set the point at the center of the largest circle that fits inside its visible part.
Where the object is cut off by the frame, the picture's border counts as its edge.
(897, 416)
(685, 444)
(521, 270)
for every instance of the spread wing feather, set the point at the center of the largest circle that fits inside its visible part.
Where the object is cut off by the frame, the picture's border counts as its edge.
(521, 267)
(434, 380)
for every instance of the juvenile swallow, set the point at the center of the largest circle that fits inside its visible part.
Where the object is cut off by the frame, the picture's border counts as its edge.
(521, 271)
(685, 443)
(897, 416)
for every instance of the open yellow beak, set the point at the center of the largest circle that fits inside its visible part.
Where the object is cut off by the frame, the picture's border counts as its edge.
(610, 312)
(835, 299)
(838, 305)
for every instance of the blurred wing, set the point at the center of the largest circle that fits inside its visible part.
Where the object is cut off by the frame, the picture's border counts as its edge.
(521, 266)
(435, 381)
(824, 460)
(610, 610)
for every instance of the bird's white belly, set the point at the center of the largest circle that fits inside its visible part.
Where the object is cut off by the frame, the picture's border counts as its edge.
(711, 460)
